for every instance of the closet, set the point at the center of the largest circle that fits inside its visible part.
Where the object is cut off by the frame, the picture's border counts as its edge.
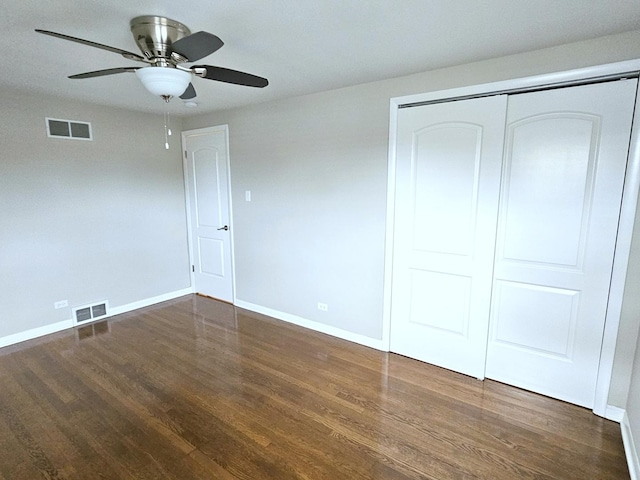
(505, 224)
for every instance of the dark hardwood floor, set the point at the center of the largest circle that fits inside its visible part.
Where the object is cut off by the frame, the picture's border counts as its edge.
(195, 389)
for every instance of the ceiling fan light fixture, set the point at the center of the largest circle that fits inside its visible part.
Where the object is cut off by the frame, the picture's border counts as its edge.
(164, 81)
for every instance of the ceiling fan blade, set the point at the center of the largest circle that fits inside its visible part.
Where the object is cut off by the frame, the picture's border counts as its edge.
(231, 76)
(101, 73)
(124, 53)
(197, 46)
(189, 93)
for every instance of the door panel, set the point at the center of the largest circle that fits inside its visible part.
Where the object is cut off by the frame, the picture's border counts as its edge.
(445, 230)
(565, 160)
(547, 327)
(206, 174)
(447, 188)
(551, 163)
(211, 256)
(208, 185)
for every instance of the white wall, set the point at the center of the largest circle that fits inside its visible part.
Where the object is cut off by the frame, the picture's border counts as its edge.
(85, 221)
(317, 169)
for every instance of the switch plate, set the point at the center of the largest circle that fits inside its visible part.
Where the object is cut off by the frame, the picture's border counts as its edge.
(247, 195)
(61, 304)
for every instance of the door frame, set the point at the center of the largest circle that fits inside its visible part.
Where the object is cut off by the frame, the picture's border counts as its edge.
(629, 205)
(187, 195)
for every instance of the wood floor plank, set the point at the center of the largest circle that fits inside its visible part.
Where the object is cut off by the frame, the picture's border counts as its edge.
(198, 389)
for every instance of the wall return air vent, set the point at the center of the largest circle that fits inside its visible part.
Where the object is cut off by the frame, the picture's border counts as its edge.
(59, 128)
(89, 313)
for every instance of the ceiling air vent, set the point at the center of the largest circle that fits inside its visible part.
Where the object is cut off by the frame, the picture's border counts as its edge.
(88, 313)
(59, 128)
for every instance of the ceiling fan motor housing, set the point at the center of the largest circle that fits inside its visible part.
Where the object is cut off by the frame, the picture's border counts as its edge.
(155, 35)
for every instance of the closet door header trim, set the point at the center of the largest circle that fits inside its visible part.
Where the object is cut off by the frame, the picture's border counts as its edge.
(581, 76)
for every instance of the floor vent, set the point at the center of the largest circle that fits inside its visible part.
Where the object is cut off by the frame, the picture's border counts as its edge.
(88, 313)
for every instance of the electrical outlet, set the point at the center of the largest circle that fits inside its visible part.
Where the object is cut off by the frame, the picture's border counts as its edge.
(61, 304)
(323, 307)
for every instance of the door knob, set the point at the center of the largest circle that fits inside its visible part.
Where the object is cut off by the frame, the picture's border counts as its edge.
(226, 227)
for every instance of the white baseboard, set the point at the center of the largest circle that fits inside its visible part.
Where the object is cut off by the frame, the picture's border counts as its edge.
(149, 301)
(35, 333)
(615, 414)
(630, 449)
(312, 325)
(65, 324)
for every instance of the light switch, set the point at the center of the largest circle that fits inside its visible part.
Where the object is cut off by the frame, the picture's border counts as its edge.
(247, 195)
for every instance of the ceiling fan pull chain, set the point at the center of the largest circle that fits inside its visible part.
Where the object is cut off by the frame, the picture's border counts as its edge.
(167, 130)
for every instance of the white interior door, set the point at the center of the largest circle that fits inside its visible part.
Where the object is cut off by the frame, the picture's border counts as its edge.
(565, 160)
(447, 188)
(207, 176)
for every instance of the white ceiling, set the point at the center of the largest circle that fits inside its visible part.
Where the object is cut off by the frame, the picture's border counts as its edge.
(301, 46)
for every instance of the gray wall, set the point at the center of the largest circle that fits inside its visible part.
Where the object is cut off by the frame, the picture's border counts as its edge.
(314, 230)
(86, 221)
(317, 169)
(626, 348)
(633, 402)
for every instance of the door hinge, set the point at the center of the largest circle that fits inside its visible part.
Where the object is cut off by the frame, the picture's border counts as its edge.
(193, 268)
(185, 154)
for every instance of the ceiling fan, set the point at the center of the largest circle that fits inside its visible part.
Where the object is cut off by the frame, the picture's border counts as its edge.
(165, 45)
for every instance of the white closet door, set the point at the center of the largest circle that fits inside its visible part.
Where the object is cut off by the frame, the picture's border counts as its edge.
(565, 160)
(447, 187)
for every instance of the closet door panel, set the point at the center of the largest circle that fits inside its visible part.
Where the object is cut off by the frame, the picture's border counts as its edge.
(447, 230)
(563, 174)
(548, 188)
(447, 189)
